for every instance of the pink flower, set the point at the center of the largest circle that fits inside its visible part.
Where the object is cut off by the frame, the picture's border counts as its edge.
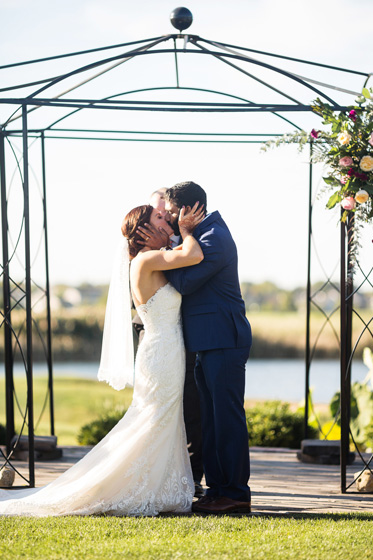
(315, 133)
(344, 179)
(370, 141)
(352, 115)
(348, 203)
(346, 161)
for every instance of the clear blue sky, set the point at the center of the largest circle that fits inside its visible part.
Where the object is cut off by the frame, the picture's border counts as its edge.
(263, 197)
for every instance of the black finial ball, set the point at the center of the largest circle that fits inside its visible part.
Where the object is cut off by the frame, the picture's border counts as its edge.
(181, 18)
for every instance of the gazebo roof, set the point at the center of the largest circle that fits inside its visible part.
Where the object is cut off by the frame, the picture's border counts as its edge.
(239, 80)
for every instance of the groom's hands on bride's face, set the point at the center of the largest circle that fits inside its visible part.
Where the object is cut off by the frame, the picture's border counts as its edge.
(152, 237)
(189, 219)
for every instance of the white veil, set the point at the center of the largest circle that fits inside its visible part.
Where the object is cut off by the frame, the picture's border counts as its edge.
(117, 356)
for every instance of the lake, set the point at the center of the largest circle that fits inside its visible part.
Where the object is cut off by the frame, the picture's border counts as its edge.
(265, 379)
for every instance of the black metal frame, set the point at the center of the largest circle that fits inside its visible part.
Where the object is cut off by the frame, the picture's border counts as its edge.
(230, 55)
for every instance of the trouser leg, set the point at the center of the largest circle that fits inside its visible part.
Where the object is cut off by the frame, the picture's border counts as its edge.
(210, 465)
(192, 418)
(220, 378)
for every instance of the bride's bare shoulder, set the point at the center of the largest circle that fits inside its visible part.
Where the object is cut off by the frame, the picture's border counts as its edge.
(139, 267)
(138, 261)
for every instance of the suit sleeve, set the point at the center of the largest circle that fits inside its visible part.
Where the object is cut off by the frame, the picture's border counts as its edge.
(189, 279)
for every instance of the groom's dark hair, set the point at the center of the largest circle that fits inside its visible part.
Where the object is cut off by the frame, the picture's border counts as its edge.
(186, 194)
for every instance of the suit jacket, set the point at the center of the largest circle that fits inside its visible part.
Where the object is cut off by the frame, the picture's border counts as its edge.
(213, 310)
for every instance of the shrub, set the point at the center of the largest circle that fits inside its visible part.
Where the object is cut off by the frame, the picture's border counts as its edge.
(92, 433)
(361, 412)
(369, 434)
(272, 424)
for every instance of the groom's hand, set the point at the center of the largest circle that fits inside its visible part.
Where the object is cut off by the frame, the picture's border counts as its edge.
(152, 237)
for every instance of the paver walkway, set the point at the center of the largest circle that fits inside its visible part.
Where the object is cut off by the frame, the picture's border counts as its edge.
(279, 482)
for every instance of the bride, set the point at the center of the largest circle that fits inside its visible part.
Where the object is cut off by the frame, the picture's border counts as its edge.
(142, 466)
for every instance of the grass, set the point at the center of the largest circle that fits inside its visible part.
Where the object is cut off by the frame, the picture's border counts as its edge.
(76, 402)
(80, 401)
(336, 536)
(77, 334)
(283, 335)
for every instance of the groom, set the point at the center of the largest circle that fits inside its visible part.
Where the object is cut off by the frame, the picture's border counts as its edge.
(215, 326)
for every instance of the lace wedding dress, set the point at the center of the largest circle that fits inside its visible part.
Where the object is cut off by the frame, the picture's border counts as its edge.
(142, 466)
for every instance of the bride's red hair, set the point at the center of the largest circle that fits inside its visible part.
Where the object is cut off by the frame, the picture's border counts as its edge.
(135, 218)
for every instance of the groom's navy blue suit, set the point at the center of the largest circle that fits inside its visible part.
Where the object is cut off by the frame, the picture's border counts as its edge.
(215, 326)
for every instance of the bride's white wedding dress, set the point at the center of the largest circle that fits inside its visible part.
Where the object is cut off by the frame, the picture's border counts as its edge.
(142, 466)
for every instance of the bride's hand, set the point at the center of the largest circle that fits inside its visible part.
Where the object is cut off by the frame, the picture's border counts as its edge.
(152, 237)
(189, 218)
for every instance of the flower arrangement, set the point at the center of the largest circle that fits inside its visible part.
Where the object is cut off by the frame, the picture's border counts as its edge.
(347, 150)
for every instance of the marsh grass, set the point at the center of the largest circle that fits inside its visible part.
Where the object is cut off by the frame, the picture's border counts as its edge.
(336, 536)
(283, 334)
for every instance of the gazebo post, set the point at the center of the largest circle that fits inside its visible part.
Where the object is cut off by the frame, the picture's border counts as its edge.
(47, 291)
(8, 350)
(30, 407)
(308, 295)
(347, 231)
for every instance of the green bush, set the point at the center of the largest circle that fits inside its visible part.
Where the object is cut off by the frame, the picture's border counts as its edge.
(272, 424)
(361, 412)
(92, 433)
(369, 435)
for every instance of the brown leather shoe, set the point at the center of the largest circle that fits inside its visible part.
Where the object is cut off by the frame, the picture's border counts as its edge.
(222, 505)
(196, 506)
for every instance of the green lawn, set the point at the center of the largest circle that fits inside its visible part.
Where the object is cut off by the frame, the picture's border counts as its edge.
(77, 401)
(317, 537)
(80, 401)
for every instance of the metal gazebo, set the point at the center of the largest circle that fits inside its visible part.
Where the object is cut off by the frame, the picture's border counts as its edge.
(31, 106)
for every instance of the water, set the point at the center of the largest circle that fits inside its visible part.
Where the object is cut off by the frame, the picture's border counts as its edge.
(285, 379)
(265, 379)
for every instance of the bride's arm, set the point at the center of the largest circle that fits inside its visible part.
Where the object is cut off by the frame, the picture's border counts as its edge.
(188, 254)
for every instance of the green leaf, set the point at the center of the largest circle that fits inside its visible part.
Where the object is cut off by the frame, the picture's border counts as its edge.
(366, 93)
(362, 412)
(333, 200)
(331, 181)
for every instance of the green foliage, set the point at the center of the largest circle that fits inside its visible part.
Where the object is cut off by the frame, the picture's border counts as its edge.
(272, 424)
(92, 433)
(333, 200)
(369, 434)
(299, 137)
(344, 148)
(361, 411)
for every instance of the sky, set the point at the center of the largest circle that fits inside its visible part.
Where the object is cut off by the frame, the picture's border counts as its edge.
(263, 197)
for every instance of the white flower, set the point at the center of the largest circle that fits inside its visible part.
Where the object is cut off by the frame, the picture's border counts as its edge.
(344, 138)
(361, 196)
(366, 163)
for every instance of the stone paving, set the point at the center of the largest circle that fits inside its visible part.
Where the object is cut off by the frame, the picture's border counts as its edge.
(280, 483)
